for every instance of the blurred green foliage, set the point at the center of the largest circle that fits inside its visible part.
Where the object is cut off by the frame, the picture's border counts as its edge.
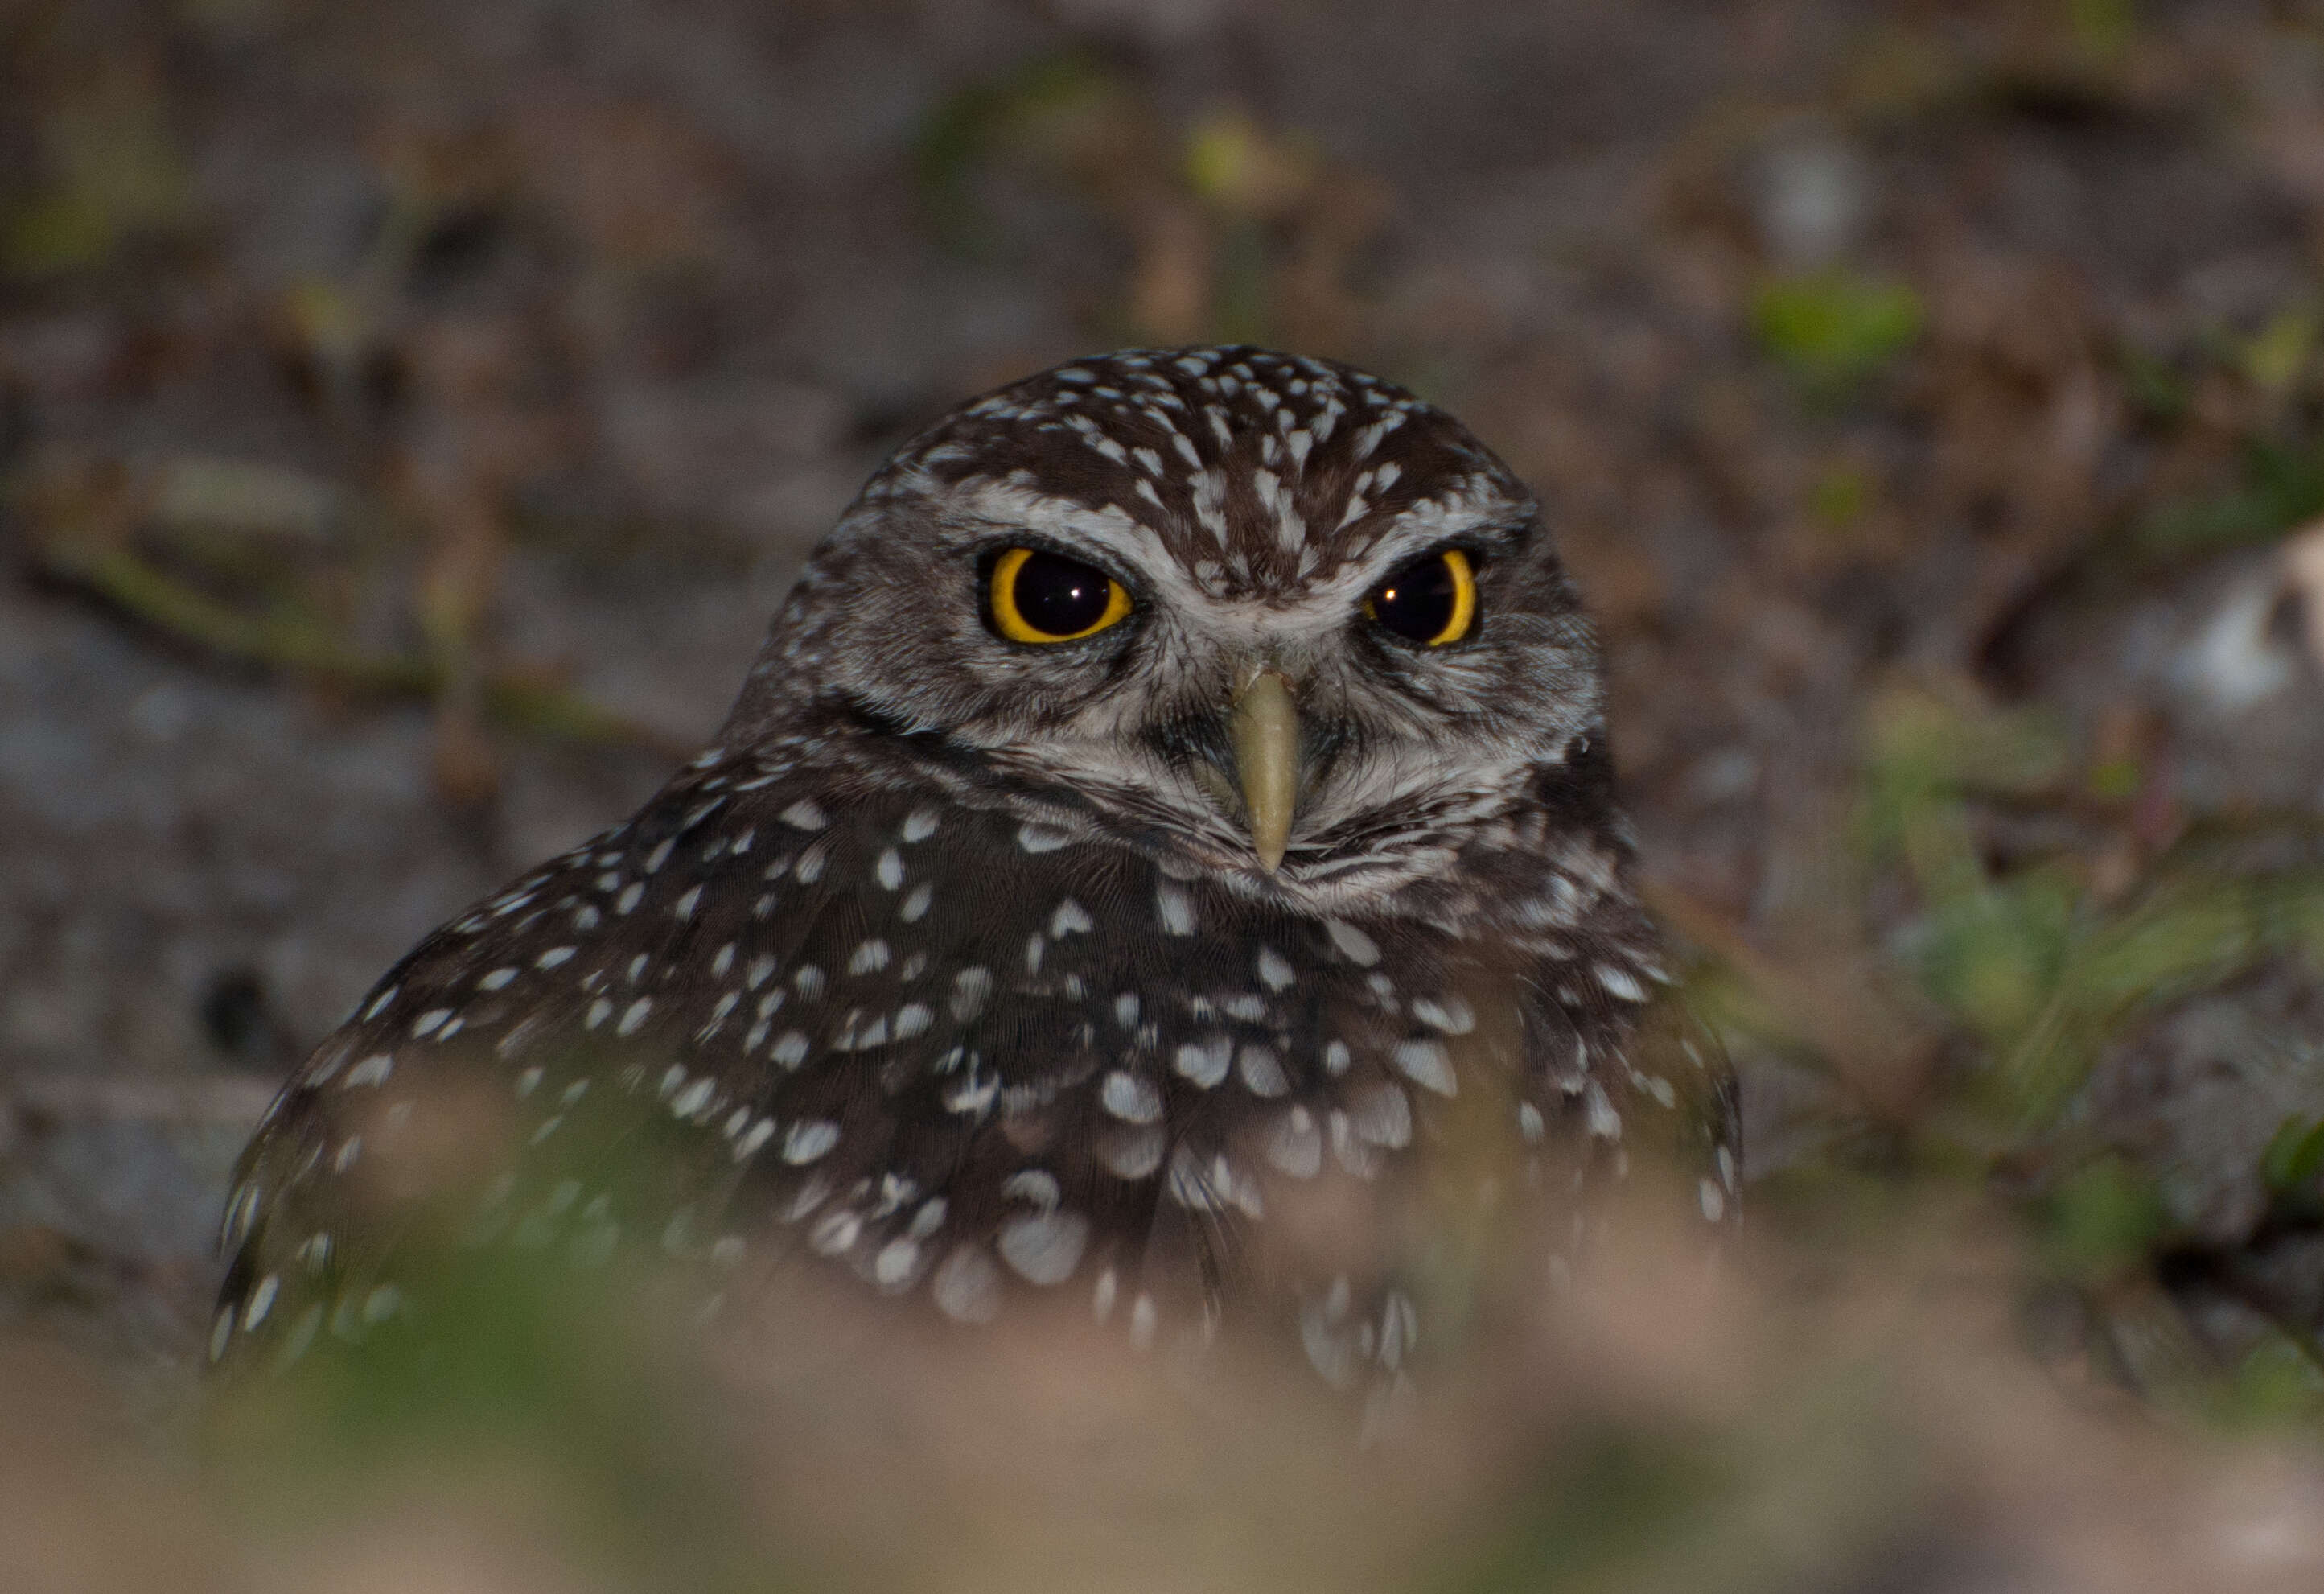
(1232, 230)
(2029, 959)
(2294, 1160)
(509, 1382)
(2101, 1221)
(1613, 1497)
(2038, 971)
(2278, 1384)
(2158, 389)
(966, 129)
(2275, 357)
(2282, 487)
(1835, 329)
(1841, 495)
(2103, 28)
(112, 174)
(1810, 1485)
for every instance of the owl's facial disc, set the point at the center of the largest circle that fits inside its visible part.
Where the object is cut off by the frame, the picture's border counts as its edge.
(1275, 615)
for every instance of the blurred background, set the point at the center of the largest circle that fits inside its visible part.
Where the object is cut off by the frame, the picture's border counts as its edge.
(411, 411)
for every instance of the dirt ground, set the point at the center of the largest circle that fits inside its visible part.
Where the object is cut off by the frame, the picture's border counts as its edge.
(410, 413)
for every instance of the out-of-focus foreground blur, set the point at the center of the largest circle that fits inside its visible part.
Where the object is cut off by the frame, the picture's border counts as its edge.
(411, 411)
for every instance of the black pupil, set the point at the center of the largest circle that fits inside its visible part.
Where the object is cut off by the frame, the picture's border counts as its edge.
(1058, 597)
(1418, 600)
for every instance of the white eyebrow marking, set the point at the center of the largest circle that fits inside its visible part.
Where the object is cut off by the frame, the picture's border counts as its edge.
(1467, 503)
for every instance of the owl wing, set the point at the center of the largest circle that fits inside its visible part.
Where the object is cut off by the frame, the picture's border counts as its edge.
(956, 1052)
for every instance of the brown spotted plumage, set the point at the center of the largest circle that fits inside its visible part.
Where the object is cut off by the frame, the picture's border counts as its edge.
(958, 965)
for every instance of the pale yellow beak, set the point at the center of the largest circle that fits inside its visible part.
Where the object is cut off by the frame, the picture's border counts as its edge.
(1266, 731)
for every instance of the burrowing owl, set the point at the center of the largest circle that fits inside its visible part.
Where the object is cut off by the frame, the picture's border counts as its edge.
(1177, 791)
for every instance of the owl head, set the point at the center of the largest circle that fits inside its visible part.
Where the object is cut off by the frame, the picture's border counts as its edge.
(1271, 613)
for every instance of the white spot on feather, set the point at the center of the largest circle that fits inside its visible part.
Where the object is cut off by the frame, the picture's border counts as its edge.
(1131, 1097)
(1205, 1063)
(1381, 1115)
(1449, 1014)
(892, 1267)
(1296, 1144)
(1262, 1073)
(1619, 984)
(1275, 970)
(371, 1070)
(967, 1286)
(1604, 1121)
(1176, 909)
(1355, 945)
(1426, 1063)
(1132, 1152)
(1045, 1247)
(804, 1143)
(262, 1301)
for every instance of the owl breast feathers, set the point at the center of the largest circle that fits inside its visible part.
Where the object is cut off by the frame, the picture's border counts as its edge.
(1173, 802)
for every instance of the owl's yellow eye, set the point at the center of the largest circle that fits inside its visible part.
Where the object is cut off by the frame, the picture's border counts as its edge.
(1037, 596)
(1431, 601)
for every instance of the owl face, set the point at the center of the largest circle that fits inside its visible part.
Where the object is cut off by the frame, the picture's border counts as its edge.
(1285, 615)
